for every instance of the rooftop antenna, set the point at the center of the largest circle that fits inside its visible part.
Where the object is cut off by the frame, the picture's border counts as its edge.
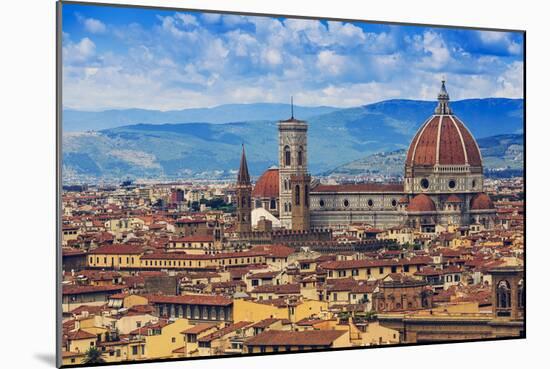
(291, 107)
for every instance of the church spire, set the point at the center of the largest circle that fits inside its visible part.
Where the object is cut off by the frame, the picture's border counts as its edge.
(243, 177)
(443, 100)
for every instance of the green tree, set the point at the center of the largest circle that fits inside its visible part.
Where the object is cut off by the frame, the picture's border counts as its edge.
(93, 356)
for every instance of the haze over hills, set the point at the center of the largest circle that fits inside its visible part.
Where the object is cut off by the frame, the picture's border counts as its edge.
(337, 137)
(77, 121)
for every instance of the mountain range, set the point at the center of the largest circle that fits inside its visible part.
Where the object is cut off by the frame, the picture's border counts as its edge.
(78, 121)
(209, 147)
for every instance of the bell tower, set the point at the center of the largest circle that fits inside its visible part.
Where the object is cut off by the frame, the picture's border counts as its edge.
(244, 193)
(294, 180)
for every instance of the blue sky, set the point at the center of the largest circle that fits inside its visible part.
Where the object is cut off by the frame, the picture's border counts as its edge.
(156, 59)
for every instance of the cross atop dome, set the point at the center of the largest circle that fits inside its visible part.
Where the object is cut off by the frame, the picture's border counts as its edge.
(443, 107)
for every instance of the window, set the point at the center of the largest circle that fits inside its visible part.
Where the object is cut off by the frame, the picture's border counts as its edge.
(394, 269)
(272, 204)
(503, 295)
(474, 183)
(381, 270)
(452, 184)
(321, 203)
(406, 268)
(300, 155)
(368, 271)
(173, 339)
(370, 203)
(297, 195)
(354, 272)
(134, 350)
(424, 183)
(346, 203)
(521, 295)
(394, 203)
(287, 156)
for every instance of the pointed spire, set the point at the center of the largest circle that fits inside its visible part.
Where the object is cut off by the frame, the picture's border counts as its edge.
(243, 177)
(443, 100)
(291, 107)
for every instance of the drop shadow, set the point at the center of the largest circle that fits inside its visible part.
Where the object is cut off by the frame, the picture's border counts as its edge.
(47, 358)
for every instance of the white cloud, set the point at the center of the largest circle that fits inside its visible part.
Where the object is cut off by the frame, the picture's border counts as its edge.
(92, 25)
(187, 19)
(438, 53)
(500, 39)
(511, 81)
(330, 62)
(272, 57)
(346, 34)
(79, 52)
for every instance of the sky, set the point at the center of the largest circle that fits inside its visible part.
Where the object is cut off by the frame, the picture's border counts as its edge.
(118, 58)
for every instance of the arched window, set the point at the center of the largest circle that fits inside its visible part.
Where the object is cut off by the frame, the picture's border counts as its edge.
(297, 195)
(286, 207)
(300, 156)
(306, 195)
(287, 156)
(243, 201)
(521, 295)
(503, 295)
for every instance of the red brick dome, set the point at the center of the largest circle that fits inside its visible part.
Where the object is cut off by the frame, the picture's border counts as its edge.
(443, 139)
(421, 203)
(481, 201)
(404, 200)
(267, 185)
(453, 199)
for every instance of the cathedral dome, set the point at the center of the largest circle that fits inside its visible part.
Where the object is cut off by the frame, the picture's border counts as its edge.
(481, 201)
(443, 140)
(453, 199)
(267, 185)
(421, 203)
